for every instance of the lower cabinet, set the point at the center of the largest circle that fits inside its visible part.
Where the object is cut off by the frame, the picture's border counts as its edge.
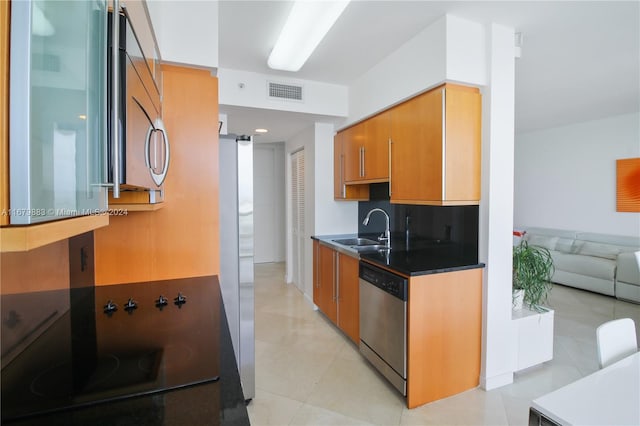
(335, 288)
(444, 332)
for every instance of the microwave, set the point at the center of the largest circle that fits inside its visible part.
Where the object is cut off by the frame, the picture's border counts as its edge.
(137, 141)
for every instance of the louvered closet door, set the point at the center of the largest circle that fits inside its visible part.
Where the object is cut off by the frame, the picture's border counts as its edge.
(297, 217)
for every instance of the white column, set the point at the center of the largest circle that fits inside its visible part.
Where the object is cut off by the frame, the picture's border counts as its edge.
(496, 208)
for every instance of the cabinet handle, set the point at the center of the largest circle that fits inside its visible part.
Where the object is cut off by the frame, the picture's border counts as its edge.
(390, 142)
(364, 172)
(115, 87)
(338, 277)
(318, 266)
(335, 297)
(344, 187)
(360, 161)
(444, 144)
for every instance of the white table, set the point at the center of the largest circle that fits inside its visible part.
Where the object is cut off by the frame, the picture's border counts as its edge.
(610, 396)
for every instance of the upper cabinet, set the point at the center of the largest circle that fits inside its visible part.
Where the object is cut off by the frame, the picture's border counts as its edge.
(427, 148)
(57, 110)
(341, 191)
(435, 150)
(54, 150)
(366, 148)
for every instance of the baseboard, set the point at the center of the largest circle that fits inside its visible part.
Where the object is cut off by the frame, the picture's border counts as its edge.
(489, 383)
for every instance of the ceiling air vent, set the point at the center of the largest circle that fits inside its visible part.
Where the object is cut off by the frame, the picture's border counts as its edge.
(285, 91)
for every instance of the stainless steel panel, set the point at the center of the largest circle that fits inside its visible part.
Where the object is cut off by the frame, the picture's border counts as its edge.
(389, 373)
(246, 277)
(383, 325)
(236, 253)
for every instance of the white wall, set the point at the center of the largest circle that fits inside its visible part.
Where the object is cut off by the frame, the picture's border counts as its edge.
(451, 49)
(496, 209)
(186, 31)
(250, 89)
(565, 177)
(269, 202)
(323, 215)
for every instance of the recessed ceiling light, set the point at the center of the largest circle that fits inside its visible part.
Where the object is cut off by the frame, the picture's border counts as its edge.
(261, 130)
(306, 26)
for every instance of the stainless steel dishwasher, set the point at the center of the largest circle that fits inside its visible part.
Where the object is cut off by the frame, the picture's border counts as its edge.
(383, 323)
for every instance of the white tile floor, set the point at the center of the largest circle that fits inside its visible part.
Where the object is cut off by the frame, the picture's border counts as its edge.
(308, 373)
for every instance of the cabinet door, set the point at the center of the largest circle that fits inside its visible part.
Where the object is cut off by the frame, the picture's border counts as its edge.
(376, 149)
(463, 112)
(340, 190)
(416, 149)
(338, 167)
(316, 273)
(353, 146)
(57, 109)
(348, 297)
(328, 282)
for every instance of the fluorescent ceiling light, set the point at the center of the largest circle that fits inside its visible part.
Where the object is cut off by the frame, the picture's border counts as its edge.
(261, 130)
(308, 23)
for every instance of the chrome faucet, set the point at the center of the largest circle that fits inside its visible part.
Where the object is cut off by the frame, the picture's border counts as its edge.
(387, 232)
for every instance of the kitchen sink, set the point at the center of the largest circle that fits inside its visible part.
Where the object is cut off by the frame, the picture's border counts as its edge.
(361, 244)
(358, 242)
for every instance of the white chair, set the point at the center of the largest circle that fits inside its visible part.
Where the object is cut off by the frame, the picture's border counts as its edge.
(616, 340)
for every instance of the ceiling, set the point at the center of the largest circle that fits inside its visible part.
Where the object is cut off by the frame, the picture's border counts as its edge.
(580, 59)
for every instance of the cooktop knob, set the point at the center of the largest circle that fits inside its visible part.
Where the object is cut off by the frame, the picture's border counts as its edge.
(161, 302)
(110, 308)
(180, 300)
(131, 305)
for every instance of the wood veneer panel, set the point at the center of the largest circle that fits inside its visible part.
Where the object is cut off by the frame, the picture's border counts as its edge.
(45, 268)
(628, 185)
(4, 109)
(378, 132)
(182, 238)
(416, 160)
(353, 141)
(462, 156)
(349, 297)
(444, 335)
(327, 278)
(351, 192)
(23, 238)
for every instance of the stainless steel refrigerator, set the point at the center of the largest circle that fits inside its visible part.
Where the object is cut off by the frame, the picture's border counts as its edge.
(236, 251)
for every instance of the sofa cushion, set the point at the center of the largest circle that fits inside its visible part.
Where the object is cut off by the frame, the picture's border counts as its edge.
(628, 269)
(607, 251)
(542, 241)
(585, 265)
(565, 245)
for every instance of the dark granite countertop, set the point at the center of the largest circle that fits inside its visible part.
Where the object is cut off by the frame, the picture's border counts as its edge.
(213, 403)
(429, 257)
(420, 262)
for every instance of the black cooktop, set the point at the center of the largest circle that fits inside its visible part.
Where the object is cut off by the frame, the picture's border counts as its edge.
(65, 350)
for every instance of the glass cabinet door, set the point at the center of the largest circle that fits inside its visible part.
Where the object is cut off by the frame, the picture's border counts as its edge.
(57, 109)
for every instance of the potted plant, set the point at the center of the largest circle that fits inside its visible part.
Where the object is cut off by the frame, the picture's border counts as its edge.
(532, 271)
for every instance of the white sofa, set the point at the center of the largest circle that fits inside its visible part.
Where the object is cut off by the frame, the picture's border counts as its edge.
(601, 263)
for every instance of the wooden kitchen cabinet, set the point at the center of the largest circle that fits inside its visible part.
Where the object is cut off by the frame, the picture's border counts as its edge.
(366, 150)
(327, 282)
(353, 141)
(340, 190)
(336, 289)
(444, 332)
(376, 147)
(435, 149)
(348, 296)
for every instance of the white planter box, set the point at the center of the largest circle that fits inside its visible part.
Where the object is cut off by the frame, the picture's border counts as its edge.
(534, 337)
